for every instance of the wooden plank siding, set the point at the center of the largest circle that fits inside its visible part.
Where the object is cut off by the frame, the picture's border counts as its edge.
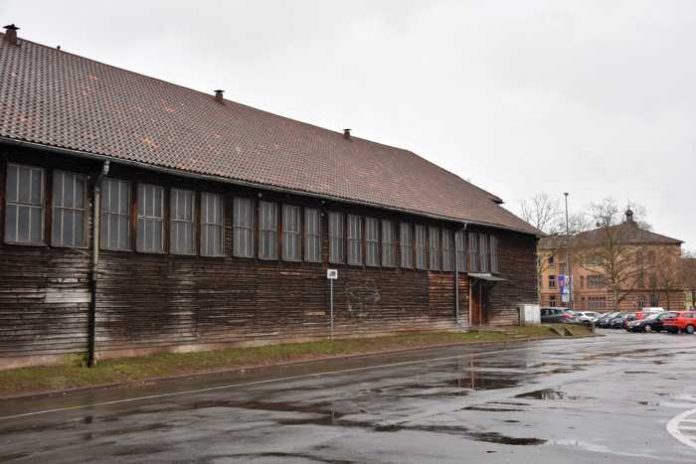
(157, 302)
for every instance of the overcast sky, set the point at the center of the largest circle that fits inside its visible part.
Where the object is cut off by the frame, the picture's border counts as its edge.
(597, 98)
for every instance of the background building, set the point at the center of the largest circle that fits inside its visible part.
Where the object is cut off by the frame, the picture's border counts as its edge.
(623, 266)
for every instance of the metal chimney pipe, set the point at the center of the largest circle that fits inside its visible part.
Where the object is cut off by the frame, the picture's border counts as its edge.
(11, 34)
(218, 96)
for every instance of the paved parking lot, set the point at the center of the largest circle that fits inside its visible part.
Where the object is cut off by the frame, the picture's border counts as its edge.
(620, 398)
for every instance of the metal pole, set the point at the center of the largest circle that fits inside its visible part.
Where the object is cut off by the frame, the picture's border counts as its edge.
(570, 273)
(331, 306)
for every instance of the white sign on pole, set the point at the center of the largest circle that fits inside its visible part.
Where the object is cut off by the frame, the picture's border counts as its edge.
(332, 274)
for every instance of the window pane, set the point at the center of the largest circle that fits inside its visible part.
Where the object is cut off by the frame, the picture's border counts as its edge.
(183, 225)
(406, 241)
(474, 262)
(291, 233)
(371, 241)
(68, 212)
(447, 251)
(420, 247)
(336, 237)
(268, 230)
(24, 209)
(354, 239)
(212, 225)
(494, 254)
(243, 224)
(150, 218)
(434, 248)
(312, 235)
(388, 253)
(115, 215)
(484, 253)
(460, 244)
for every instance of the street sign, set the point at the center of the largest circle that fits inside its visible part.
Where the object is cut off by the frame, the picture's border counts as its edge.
(332, 274)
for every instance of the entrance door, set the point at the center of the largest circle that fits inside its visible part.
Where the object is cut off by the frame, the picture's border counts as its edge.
(478, 303)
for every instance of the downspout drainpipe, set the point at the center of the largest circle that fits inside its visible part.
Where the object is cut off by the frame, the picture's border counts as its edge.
(456, 280)
(96, 216)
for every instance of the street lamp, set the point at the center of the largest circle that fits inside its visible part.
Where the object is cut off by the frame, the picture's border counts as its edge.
(569, 272)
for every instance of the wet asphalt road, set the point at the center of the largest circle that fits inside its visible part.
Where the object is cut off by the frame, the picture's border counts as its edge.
(591, 400)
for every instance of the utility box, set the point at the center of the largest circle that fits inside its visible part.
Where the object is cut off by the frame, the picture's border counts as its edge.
(530, 314)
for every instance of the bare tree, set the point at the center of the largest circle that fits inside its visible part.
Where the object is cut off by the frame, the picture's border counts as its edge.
(689, 275)
(542, 211)
(666, 273)
(609, 252)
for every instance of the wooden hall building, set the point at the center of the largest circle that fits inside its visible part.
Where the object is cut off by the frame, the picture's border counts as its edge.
(140, 216)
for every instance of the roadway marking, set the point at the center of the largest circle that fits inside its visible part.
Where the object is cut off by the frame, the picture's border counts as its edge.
(678, 428)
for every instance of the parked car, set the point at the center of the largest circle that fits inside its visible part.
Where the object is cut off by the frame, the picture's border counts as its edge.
(587, 317)
(553, 315)
(682, 321)
(618, 321)
(645, 312)
(651, 323)
(604, 320)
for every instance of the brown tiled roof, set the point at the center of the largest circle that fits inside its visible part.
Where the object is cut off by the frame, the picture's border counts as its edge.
(58, 99)
(626, 232)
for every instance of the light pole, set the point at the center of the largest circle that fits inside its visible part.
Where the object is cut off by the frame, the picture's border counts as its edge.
(569, 272)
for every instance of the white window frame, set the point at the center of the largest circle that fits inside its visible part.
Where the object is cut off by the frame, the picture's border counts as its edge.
(292, 233)
(312, 235)
(388, 244)
(182, 224)
(157, 221)
(59, 210)
(268, 230)
(212, 224)
(406, 245)
(123, 188)
(336, 237)
(355, 242)
(421, 241)
(243, 227)
(434, 249)
(372, 242)
(33, 208)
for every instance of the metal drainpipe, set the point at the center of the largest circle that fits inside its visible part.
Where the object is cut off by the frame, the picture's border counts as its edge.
(456, 278)
(96, 216)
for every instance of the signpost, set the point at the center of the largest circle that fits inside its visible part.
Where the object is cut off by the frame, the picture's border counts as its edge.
(331, 275)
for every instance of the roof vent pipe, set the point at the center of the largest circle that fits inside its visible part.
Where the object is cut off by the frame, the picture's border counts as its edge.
(218, 96)
(11, 34)
(346, 133)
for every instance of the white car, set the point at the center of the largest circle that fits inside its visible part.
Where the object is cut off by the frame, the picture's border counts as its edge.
(587, 317)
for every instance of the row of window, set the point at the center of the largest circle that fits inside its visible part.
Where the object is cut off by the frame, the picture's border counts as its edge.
(353, 239)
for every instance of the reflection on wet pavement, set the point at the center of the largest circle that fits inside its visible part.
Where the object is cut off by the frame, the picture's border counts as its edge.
(564, 400)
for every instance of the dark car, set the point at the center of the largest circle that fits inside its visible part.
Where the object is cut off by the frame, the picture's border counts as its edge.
(618, 321)
(651, 323)
(552, 315)
(604, 320)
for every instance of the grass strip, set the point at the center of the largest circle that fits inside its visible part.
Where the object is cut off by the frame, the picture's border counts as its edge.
(73, 374)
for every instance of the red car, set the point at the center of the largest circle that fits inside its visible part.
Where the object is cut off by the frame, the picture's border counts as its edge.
(684, 321)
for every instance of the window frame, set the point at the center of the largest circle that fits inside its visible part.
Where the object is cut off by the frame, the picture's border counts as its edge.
(354, 239)
(421, 247)
(340, 240)
(268, 231)
(215, 226)
(247, 228)
(286, 212)
(461, 251)
(193, 223)
(162, 219)
(128, 215)
(42, 206)
(406, 245)
(494, 258)
(434, 249)
(372, 236)
(312, 239)
(448, 255)
(388, 236)
(84, 210)
(473, 248)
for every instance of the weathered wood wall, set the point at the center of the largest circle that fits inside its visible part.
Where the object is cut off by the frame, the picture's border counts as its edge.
(150, 302)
